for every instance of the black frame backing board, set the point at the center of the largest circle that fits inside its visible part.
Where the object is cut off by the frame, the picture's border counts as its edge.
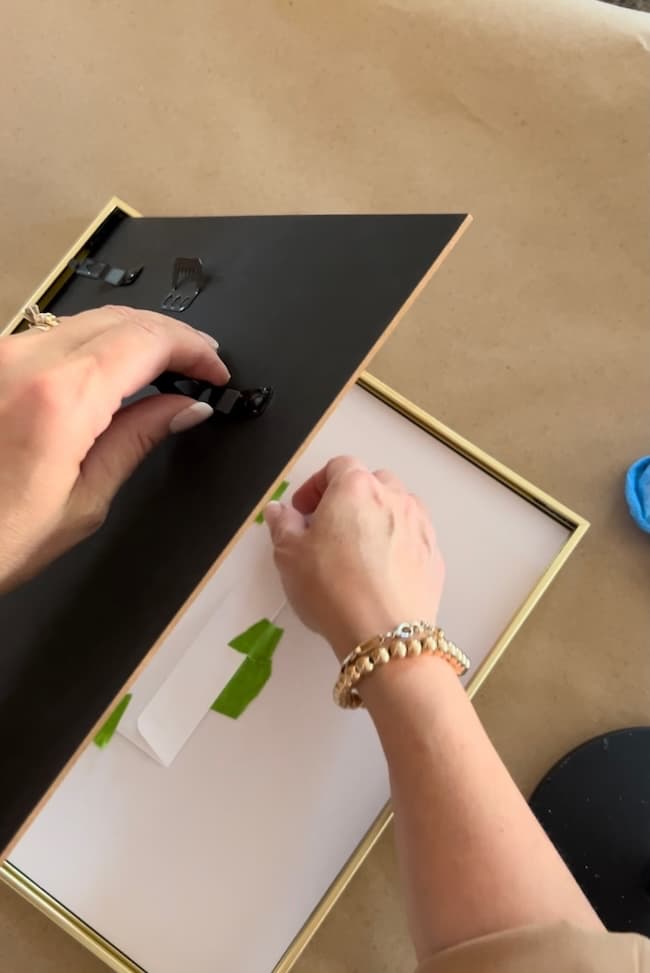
(296, 302)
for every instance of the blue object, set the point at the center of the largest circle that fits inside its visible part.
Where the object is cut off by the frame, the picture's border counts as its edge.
(637, 492)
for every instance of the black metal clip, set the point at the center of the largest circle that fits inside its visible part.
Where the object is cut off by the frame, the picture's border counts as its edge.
(188, 280)
(226, 401)
(98, 270)
(240, 404)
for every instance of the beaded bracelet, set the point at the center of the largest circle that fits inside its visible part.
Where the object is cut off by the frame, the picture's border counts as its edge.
(408, 640)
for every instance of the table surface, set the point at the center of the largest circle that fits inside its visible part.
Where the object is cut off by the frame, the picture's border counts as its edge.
(532, 341)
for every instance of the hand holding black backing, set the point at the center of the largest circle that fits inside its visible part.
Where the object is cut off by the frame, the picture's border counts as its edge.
(67, 442)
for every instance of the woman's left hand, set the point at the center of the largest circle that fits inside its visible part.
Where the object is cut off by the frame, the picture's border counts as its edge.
(66, 442)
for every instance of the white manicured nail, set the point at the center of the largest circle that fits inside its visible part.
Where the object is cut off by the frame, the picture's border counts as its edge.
(208, 339)
(192, 416)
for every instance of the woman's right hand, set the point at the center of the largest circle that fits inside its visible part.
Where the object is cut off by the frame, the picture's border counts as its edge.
(357, 554)
(364, 560)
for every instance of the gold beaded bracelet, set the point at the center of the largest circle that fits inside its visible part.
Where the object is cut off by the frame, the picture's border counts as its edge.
(409, 639)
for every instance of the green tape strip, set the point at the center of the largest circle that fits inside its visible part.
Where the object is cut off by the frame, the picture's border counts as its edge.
(105, 733)
(257, 643)
(247, 683)
(281, 490)
(266, 644)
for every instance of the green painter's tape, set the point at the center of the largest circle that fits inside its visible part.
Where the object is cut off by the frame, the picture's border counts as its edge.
(276, 496)
(266, 644)
(258, 643)
(105, 733)
(247, 683)
(245, 642)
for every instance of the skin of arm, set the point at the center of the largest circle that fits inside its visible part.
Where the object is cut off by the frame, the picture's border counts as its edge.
(473, 858)
(358, 555)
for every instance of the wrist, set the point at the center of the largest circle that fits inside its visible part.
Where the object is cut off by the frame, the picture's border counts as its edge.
(348, 634)
(405, 678)
(409, 694)
(394, 660)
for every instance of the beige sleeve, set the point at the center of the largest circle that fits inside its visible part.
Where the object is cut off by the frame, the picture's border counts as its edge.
(560, 948)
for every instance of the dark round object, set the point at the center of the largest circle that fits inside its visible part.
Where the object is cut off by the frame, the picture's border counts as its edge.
(595, 807)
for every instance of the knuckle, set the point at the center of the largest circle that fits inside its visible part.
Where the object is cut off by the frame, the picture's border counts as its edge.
(421, 507)
(92, 515)
(148, 325)
(47, 400)
(346, 459)
(339, 465)
(430, 529)
(43, 393)
(426, 540)
(383, 478)
(356, 481)
(137, 318)
(282, 538)
(145, 441)
(121, 311)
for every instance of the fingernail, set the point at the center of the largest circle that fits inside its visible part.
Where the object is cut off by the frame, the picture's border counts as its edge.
(208, 339)
(187, 418)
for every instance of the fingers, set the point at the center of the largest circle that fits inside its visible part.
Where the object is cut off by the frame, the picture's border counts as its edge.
(76, 330)
(283, 522)
(310, 494)
(130, 346)
(141, 344)
(134, 431)
(390, 480)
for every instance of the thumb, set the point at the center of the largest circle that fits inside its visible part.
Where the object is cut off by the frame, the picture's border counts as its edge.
(133, 432)
(283, 522)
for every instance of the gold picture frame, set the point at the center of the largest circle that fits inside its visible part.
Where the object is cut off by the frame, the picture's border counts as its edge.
(114, 210)
(577, 526)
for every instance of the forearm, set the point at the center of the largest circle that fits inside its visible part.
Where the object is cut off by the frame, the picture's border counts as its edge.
(473, 857)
